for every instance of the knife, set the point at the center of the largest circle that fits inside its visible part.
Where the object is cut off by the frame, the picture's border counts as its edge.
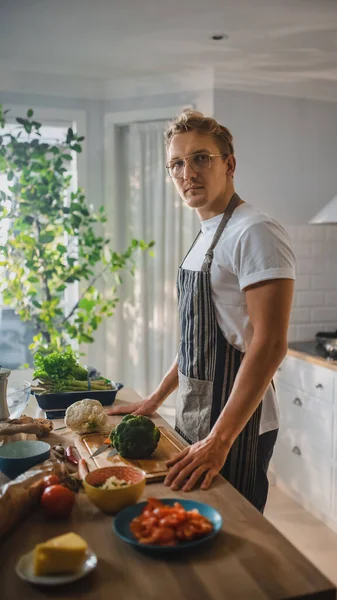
(112, 453)
(100, 449)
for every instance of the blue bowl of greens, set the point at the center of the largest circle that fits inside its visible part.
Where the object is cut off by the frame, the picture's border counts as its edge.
(62, 380)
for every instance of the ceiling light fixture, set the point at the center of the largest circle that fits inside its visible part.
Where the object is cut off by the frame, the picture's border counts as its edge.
(219, 36)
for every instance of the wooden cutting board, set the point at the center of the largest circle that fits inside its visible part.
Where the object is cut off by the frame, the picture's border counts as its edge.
(154, 467)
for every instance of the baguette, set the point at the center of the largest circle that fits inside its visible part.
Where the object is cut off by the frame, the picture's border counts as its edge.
(19, 496)
(39, 427)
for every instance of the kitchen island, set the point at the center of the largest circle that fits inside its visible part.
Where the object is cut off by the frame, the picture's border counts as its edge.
(248, 560)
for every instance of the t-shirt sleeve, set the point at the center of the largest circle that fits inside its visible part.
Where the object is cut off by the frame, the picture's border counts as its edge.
(263, 252)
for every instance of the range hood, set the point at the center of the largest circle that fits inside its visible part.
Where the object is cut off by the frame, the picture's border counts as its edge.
(328, 214)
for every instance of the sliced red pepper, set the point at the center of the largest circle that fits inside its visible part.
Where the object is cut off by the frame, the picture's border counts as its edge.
(72, 455)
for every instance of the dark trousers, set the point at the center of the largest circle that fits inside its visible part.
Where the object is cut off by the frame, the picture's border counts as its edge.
(264, 453)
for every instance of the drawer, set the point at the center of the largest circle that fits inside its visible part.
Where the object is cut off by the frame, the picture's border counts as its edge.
(312, 480)
(308, 423)
(310, 378)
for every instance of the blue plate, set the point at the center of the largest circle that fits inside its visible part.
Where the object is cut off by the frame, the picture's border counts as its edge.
(121, 525)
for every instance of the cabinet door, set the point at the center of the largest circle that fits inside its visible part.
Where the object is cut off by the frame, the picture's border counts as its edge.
(306, 422)
(317, 381)
(311, 480)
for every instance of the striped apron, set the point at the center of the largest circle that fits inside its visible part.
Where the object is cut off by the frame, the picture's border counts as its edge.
(207, 367)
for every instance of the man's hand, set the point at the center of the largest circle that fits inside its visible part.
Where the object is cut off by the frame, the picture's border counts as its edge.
(147, 407)
(203, 459)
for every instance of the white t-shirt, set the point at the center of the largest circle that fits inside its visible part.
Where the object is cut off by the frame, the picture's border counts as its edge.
(252, 248)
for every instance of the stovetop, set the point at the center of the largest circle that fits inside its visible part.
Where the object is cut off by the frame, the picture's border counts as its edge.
(314, 349)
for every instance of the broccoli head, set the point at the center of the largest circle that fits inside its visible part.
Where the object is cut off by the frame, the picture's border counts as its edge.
(135, 437)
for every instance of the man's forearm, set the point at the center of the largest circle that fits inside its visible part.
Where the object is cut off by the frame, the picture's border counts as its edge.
(168, 384)
(256, 371)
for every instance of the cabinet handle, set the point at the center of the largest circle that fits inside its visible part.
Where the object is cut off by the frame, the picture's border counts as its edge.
(296, 450)
(319, 386)
(298, 402)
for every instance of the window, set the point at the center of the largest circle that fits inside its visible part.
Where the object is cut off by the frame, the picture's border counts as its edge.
(16, 336)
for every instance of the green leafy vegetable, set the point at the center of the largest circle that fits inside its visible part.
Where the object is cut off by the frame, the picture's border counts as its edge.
(61, 372)
(135, 437)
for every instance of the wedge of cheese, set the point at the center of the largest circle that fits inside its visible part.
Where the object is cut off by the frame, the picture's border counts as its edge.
(63, 554)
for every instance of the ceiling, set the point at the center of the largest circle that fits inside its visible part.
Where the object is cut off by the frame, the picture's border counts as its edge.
(281, 46)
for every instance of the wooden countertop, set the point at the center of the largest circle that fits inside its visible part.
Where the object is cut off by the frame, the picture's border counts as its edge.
(248, 560)
(314, 360)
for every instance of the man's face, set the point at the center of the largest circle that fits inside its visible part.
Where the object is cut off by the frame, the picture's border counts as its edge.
(200, 190)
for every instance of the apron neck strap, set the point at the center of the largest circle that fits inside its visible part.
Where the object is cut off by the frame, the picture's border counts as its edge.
(233, 203)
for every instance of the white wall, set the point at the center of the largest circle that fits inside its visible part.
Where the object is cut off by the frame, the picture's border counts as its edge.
(286, 151)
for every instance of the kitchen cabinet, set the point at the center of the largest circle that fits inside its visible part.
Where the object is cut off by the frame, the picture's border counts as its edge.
(305, 457)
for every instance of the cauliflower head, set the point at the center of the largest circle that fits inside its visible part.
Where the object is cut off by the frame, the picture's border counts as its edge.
(85, 416)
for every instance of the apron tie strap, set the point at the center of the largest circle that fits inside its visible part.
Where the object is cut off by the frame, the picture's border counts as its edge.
(234, 202)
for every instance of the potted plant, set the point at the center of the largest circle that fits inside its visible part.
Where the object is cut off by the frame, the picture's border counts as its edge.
(55, 239)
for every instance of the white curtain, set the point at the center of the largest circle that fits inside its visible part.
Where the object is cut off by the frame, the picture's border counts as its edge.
(142, 340)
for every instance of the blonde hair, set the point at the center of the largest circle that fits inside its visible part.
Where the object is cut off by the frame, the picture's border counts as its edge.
(192, 120)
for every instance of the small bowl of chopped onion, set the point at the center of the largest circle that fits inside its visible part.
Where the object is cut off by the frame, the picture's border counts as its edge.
(113, 488)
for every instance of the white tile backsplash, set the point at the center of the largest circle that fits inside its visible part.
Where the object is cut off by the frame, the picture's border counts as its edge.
(300, 315)
(332, 233)
(310, 298)
(315, 298)
(312, 233)
(324, 315)
(330, 298)
(323, 282)
(303, 282)
(310, 265)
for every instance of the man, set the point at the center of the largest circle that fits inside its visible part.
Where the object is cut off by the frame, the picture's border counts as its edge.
(235, 289)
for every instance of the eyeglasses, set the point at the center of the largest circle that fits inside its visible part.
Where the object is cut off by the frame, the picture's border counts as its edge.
(198, 161)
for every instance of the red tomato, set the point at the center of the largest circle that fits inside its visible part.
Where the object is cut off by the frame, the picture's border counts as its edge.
(58, 501)
(50, 480)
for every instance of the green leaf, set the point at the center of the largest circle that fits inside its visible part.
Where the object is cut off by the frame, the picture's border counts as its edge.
(77, 148)
(62, 249)
(30, 113)
(86, 338)
(70, 135)
(87, 305)
(45, 238)
(33, 279)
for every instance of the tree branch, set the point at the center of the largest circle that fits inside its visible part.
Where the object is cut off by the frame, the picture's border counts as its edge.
(44, 278)
(75, 307)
